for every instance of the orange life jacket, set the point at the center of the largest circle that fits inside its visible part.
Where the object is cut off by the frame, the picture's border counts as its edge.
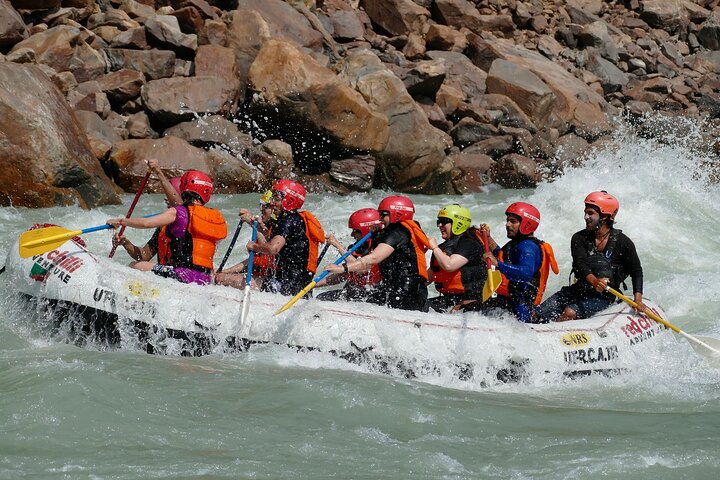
(421, 244)
(548, 262)
(451, 282)
(315, 234)
(207, 227)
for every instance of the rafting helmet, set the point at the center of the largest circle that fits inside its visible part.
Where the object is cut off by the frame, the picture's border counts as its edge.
(400, 208)
(364, 219)
(197, 182)
(605, 203)
(293, 194)
(175, 182)
(460, 216)
(529, 216)
(266, 198)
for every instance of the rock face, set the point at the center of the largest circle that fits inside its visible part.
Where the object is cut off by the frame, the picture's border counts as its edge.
(46, 157)
(425, 96)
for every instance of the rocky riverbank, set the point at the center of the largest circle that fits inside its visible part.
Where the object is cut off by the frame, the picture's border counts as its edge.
(427, 96)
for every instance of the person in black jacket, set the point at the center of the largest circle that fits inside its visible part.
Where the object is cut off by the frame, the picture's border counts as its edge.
(602, 255)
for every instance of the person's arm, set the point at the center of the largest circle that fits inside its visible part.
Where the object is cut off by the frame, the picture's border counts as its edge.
(171, 194)
(335, 243)
(528, 261)
(144, 253)
(272, 247)
(237, 268)
(363, 264)
(165, 218)
(449, 263)
(634, 267)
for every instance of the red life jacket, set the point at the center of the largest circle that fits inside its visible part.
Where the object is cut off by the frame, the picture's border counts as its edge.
(315, 234)
(365, 279)
(451, 282)
(548, 262)
(421, 244)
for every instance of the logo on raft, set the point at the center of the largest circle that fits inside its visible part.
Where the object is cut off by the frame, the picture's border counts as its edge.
(55, 262)
(640, 329)
(575, 339)
(591, 355)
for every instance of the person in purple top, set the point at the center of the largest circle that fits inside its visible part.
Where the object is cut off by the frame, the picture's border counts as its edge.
(185, 235)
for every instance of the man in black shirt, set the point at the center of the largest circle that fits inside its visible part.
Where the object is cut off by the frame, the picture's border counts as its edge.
(602, 256)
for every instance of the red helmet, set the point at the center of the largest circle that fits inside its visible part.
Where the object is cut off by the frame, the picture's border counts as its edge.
(364, 219)
(529, 216)
(175, 182)
(603, 201)
(197, 182)
(400, 208)
(294, 194)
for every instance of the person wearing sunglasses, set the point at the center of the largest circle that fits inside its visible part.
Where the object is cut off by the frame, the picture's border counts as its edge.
(399, 254)
(359, 286)
(263, 264)
(457, 266)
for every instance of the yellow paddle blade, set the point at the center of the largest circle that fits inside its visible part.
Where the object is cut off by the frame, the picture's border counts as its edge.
(297, 297)
(41, 240)
(494, 278)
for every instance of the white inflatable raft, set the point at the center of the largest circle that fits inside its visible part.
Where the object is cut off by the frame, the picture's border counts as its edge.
(83, 297)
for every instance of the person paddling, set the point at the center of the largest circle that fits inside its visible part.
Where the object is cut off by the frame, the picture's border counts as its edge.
(400, 254)
(189, 233)
(293, 241)
(457, 266)
(602, 255)
(262, 263)
(524, 263)
(359, 286)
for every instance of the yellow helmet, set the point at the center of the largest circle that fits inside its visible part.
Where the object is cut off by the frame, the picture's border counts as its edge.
(266, 197)
(460, 216)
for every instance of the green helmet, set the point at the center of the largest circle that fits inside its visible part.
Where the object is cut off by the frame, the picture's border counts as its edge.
(460, 216)
(266, 197)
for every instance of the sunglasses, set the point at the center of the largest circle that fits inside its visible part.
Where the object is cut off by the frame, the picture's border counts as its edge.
(443, 221)
(356, 232)
(384, 213)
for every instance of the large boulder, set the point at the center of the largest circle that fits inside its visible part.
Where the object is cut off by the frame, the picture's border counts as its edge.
(290, 81)
(172, 100)
(46, 158)
(63, 49)
(577, 106)
(414, 158)
(12, 27)
(397, 17)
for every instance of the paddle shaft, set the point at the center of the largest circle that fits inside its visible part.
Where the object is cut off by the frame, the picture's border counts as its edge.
(232, 245)
(322, 254)
(659, 319)
(248, 278)
(132, 207)
(324, 274)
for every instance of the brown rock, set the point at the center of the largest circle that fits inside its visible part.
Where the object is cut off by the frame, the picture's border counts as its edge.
(122, 85)
(461, 74)
(215, 61)
(134, 38)
(12, 27)
(442, 37)
(153, 64)
(284, 21)
(354, 174)
(515, 171)
(414, 157)
(100, 135)
(346, 25)
(174, 155)
(213, 130)
(524, 87)
(463, 13)
(397, 17)
(471, 171)
(282, 72)
(46, 158)
(172, 100)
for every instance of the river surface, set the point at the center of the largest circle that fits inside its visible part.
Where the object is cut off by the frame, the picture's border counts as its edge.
(84, 413)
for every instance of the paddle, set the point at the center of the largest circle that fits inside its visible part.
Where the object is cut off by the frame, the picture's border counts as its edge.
(494, 277)
(132, 207)
(700, 346)
(41, 240)
(324, 274)
(248, 278)
(232, 245)
(322, 254)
